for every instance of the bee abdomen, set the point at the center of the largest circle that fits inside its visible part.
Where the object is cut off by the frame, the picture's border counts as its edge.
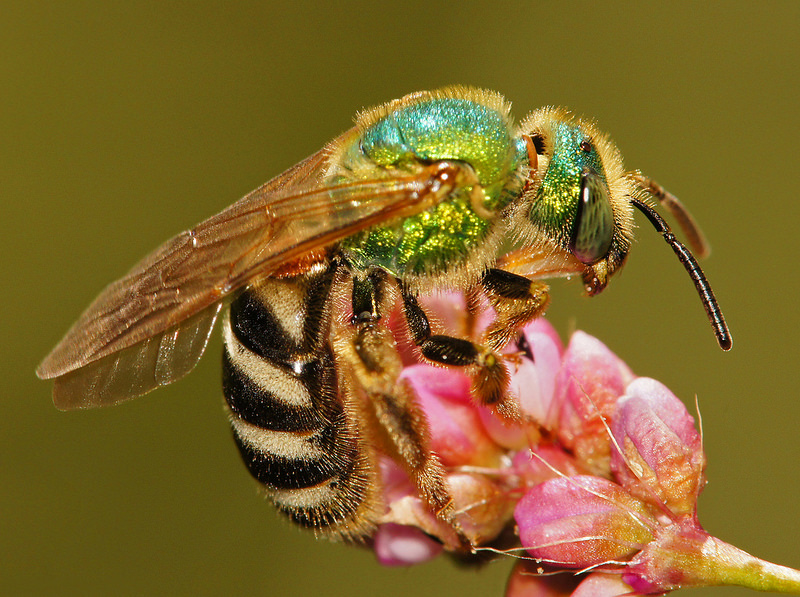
(287, 460)
(289, 423)
(341, 506)
(276, 397)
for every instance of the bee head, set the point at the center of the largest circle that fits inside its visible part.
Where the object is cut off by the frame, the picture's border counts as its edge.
(582, 200)
(580, 192)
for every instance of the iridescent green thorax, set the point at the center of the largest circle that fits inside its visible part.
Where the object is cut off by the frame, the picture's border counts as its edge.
(436, 128)
(556, 201)
(439, 129)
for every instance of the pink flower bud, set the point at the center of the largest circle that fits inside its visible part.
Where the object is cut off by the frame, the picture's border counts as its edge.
(400, 545)
(534, 381)
(587, 387)
(602, 584)
(532, 384)
(582, 521)
(483, 508)
(662, 458)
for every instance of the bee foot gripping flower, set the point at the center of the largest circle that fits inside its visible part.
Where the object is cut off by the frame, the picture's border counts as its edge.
(600, 482)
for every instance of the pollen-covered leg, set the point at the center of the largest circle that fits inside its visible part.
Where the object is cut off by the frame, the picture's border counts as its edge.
(485, 366)
(402, 428)
(516, 301)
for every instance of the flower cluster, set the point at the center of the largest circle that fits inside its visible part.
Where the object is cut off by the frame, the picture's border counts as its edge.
(601, 478)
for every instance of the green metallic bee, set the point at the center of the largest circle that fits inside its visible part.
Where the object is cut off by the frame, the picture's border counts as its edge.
(437, 190)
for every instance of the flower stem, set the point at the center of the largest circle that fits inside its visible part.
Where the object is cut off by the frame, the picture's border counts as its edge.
(732, 566)
(684, 555)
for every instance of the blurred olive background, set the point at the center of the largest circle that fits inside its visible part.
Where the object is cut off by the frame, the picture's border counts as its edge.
(122, 125)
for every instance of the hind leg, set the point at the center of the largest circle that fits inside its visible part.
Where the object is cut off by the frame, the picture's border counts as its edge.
(402, 428)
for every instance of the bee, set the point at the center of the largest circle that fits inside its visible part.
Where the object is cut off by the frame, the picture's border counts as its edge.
(437, 190)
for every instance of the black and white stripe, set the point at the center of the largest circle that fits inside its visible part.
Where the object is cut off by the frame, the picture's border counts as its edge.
(283, 395)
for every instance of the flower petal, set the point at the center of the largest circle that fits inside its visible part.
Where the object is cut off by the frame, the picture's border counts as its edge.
(457, 434)
(534, 381)
(483, 509)
(601, 584)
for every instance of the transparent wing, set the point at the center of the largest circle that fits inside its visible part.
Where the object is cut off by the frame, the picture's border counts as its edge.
(150, 327)
(156, 361)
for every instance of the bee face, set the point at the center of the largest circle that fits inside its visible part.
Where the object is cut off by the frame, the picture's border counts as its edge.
(582, 199)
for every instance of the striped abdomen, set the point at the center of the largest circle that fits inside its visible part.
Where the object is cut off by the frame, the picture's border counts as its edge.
(289, 421)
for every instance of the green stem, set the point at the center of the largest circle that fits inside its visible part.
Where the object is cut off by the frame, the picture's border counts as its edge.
(684, 555)
(730, 565)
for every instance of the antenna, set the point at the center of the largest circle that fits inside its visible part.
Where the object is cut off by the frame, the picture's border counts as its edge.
(697, 241)
(713, 311)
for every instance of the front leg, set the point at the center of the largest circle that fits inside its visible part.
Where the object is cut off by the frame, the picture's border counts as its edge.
(516, 301)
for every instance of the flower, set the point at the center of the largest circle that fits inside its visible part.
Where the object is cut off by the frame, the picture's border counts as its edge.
(599, 481)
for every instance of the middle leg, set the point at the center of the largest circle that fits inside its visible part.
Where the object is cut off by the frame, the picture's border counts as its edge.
(516, 301)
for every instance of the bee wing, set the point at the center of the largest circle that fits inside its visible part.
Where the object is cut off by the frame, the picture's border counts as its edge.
(150, 327)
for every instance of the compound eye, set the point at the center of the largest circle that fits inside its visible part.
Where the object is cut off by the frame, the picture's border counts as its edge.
(593, 228)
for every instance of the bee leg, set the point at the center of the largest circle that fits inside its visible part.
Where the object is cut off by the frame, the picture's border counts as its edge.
(402, 425)
(489, 373)
(516, 301)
